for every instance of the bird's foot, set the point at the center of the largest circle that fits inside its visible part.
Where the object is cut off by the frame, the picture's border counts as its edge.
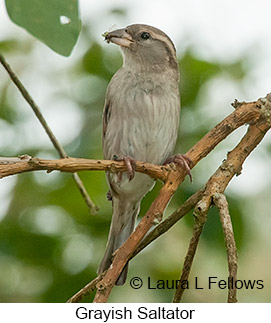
(130, 163)
(183, 161)
(109, 196)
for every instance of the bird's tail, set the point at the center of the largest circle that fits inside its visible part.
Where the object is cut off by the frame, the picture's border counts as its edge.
(123, 221)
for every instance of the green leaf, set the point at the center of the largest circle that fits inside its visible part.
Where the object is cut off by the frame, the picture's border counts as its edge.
(56, 23)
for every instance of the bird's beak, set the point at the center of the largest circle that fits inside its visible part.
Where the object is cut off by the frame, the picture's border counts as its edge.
(119, 37)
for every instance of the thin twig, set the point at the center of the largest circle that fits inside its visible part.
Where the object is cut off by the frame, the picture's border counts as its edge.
(93, 208)
(34, 107)
(59, 148)
(221, 203)
(200, 213)
(91, 286)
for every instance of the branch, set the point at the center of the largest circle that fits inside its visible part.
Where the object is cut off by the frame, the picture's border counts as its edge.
(91, 286)
(254, 112)
(166, 224)
(154, 234)
(257, 113)
(15, 165)
(59, 148)
(221, 203)
(217, 185)
(200, 213)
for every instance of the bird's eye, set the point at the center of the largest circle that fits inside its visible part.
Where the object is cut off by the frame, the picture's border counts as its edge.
(145, 35)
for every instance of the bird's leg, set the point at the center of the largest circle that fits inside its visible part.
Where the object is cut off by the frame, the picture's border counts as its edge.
(130, 163)
(183, 161)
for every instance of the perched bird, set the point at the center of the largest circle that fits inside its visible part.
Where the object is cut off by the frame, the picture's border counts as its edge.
(140, 122)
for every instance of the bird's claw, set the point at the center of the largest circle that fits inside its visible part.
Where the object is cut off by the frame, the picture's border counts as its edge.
(130, 163)
(109, 196)
(183, 161)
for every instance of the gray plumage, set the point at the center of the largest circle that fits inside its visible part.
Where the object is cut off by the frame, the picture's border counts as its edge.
(140, 120)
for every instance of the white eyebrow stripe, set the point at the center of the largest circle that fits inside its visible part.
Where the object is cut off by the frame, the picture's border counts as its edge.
(165, 40)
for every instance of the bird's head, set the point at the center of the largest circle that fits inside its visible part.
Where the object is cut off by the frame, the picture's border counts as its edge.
(145, 46)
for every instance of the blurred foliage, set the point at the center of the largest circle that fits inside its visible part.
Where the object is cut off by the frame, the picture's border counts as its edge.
(50, 246)
(195, 72)
(56, 23)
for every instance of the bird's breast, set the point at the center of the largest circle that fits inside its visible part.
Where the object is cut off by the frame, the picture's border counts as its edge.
(144, 117)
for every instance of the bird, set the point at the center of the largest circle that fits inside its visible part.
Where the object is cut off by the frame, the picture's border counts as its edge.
(140, 123)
